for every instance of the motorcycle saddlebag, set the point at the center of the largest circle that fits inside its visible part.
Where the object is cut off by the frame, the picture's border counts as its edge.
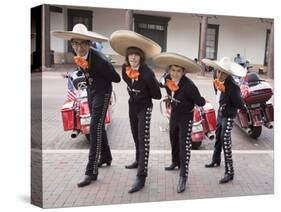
(243, 118)
(269, 112)
(258, 93)
(210, 116)
(67, 112)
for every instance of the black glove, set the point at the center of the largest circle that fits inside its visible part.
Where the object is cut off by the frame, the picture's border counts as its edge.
(223, 110)
(228, 111)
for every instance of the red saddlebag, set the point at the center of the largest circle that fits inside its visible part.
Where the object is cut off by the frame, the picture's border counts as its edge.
(210, 116)
(67, 112)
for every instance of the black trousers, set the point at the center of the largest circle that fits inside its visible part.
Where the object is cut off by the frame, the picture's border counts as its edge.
(181, 141)
(223, 141)
(140, 117)
(98, 106)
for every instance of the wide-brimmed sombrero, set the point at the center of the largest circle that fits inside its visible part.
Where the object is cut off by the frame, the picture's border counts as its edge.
(166, 59)
(80, 31)
(225, 65)
(121, 40)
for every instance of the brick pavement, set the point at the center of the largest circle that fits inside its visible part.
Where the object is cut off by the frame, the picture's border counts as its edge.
(64, 159)
(64, 168)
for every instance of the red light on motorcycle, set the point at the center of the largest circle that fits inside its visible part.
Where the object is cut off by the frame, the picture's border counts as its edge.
(244, 90)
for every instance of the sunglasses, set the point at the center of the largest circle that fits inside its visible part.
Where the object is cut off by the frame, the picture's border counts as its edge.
(82, 43)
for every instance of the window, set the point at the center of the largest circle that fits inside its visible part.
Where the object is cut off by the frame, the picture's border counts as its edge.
(211, 41)
(153, 27)
(79, 16)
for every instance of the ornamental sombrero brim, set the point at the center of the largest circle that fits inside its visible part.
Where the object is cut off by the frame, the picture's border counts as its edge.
(166, 59)
(225, 65)
(81, 32)
(121, 40)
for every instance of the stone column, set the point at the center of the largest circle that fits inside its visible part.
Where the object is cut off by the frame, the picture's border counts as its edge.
(202, 52)
(270, 66)
(129, 19)
(46, 51)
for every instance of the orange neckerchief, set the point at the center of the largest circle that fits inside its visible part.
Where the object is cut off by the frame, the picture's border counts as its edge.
(132, 73)
(172, 85)
(82, 62)
(219, 85)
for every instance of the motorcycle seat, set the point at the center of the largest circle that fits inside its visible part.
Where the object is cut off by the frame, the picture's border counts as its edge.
(253, 79)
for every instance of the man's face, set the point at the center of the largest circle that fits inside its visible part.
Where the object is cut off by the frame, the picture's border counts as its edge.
(221, 75)
(176, 72)
(81, 47)
(134, 60)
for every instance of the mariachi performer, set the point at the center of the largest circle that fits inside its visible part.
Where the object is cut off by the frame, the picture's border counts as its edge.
(229, 98)
(142, 87)
(183, 95)
(99, 74)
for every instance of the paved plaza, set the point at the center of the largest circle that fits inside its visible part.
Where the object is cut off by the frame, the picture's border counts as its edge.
(64, 158)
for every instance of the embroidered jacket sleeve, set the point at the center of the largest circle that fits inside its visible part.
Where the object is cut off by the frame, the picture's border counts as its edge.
(196, 96)
(236, 97)
(108, 71)
(231, 99)
(124, 75)
(103, 68)
(153, 86)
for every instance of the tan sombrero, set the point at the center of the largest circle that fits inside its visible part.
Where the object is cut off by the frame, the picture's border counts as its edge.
(225, 65)
(168, 58)
(80, 31)
(121, 40)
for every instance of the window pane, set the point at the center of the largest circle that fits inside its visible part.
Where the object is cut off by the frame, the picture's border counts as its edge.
(211, 31)
(159, 27)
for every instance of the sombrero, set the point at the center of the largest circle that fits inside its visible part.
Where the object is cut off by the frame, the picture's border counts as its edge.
(168, 58)
(225, 65)
(121, 40)
(80, 31)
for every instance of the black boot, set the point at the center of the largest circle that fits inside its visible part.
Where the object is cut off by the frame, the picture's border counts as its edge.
(87, 180)
(226, 178)
(108, 163)
(138, 185)
(134, 165)
(213, 164)
(171, 167)
(181, 185)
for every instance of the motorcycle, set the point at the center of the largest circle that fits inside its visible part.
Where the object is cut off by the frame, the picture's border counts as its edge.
(75, 110)
(204, 119)
(256, 94)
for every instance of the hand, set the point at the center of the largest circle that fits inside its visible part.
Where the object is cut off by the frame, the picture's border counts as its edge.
(245, 108)
(223, 110)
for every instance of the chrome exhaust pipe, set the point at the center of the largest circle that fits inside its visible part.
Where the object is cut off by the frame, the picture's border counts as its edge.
(210, 135)
(75, 133)
(247, 130)
(268, 125)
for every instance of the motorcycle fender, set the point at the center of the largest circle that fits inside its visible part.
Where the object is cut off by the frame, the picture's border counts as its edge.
(256, 117)
(243, 119)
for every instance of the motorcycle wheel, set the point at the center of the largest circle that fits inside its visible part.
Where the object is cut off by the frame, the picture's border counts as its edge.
(196, 145)
(256, 131)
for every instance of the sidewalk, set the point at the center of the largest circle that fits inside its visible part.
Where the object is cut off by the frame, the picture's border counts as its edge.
(62, 169)
(64, 159)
